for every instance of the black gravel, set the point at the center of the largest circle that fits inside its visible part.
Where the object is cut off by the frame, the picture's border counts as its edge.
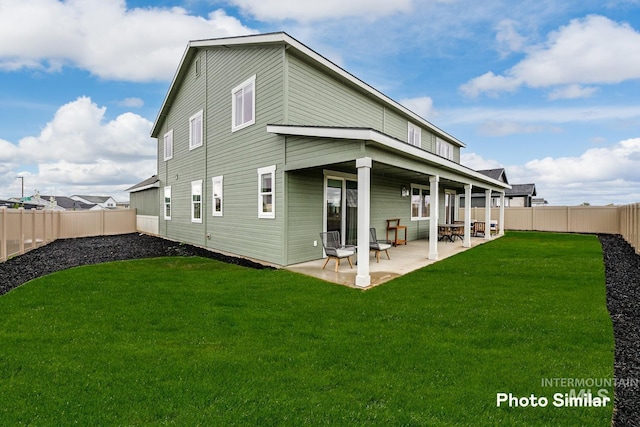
(622, 270)
(67, 253)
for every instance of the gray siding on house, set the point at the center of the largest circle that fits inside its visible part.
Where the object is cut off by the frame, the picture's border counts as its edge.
(234, 155)
(305, 207)
(145, 202)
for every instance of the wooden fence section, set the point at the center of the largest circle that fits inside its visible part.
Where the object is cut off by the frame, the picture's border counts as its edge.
(22, 230)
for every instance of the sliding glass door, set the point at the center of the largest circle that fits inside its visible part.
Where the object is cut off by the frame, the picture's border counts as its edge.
(341, 208)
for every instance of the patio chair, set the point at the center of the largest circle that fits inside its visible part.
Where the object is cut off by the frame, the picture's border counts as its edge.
(378, 245)
(335, 250)
(478, 228)
(493, 229)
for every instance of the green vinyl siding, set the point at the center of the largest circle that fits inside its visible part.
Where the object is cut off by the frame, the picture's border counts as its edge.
(234, 155)
(315, 98)
(305, 205)
(145, 202)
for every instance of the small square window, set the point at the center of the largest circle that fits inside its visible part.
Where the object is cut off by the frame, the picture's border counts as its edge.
(266, 192)
(195, 130)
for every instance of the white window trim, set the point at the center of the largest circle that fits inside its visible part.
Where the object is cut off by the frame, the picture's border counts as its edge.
(193, 145)
(420, 217)
(213, 195)
(263, 171)
(241, 86)
(168, 142)
(167, 189)
(196, 189)
(416, 141)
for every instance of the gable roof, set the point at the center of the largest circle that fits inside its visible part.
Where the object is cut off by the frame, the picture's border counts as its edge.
(152, 182)
(521, 190)
(67, 202)
(94, 199)
(497, 174)
(283, 39)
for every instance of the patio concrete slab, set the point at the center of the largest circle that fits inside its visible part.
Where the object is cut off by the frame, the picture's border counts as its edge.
(404, 259)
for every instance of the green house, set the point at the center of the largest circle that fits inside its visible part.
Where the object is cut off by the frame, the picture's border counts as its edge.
(264, 143)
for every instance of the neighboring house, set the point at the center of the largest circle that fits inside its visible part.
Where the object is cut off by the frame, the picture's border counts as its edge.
(263, 144)
(143, 197)
(519, 195)
(539, 201)
(12, 203)
(101, 202)
(65, 203)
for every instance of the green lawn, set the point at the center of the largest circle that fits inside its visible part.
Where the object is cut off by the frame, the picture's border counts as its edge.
(191, 341)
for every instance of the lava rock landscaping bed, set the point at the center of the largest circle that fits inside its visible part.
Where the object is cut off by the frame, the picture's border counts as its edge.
(67, 253)
(622, 270)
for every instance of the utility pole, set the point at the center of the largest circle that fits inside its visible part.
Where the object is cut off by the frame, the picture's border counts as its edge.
(21, 178)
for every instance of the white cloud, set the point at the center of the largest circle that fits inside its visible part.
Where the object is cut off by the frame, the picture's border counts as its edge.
(590, 50)
(598, 176)
(508, 38)
(131, 103)
(422, 106)
(103, 36)
(305, 11)
(572, 92)
(477, 162)
(503, 128)
(78, 149)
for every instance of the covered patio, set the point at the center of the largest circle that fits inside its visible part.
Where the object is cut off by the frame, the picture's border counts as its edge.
(404, 259)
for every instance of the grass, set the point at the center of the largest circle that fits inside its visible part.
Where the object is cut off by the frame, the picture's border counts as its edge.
(191, 341)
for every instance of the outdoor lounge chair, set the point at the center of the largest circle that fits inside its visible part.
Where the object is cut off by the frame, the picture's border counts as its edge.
(378, 245)
(334, 249)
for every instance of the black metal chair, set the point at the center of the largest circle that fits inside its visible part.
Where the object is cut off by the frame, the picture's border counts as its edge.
(335, 250)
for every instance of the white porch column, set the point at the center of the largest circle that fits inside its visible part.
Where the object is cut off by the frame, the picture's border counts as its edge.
(467, 216)
(501, 220)
(363, 279)
(433, 220)
(487, 214)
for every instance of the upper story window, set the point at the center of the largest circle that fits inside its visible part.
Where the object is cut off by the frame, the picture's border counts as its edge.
(420, 202)
(168, 145)
(195, 130)
(216, 184)
(414, 135)
(444, 149)
(267, 192)
(196, 201)
(243, 100)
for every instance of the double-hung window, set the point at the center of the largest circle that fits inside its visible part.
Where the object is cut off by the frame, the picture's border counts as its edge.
(168, 145)
(414, 135)
(216, 184)
(444, 149)
(195, 130)
(243, 100)
(196, 201)
(420, 202)
(167, 203)
(267, 192)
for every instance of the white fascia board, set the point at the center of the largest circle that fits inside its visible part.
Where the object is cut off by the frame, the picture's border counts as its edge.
(385, 140)
(146, 187)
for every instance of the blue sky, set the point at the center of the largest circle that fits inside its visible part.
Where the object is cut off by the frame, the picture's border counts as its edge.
(547, 89)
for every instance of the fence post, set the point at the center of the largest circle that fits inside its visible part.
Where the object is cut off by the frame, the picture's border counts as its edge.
(21, 230)
(3, 234)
